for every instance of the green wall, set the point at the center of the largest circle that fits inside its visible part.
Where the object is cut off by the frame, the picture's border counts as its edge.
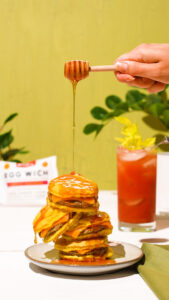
(36, 38)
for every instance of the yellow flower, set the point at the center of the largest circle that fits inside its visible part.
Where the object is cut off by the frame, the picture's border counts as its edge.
(132, 139)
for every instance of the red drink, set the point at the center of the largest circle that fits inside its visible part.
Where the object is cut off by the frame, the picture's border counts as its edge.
(136, 178)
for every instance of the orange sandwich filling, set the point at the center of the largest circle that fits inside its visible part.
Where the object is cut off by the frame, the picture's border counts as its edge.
(91, 225)
(48, 218)
(86, 250)
(82, 246)
(78, 203)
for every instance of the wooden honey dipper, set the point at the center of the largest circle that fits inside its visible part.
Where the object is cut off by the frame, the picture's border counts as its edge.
(76, 70)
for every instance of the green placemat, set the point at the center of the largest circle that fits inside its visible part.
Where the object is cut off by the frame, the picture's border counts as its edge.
(154, 269)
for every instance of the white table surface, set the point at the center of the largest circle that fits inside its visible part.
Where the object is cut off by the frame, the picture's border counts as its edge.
(22, 280)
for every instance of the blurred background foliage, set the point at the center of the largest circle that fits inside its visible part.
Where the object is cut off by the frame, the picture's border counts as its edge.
(36, 38)
(7, 152)
(156, 106)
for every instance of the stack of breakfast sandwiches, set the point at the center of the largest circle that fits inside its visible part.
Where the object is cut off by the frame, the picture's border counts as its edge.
(71, 220)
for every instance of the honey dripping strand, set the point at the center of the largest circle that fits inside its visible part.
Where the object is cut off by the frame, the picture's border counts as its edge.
(74, 84)
(35, 239)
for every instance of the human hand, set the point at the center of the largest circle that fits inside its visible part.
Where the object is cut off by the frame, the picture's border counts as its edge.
(146, 66)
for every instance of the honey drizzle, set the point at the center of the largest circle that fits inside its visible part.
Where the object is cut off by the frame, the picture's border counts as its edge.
(35, 239)
(74, 84)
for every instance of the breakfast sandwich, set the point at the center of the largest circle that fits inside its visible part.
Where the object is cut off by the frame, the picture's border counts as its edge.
(71, 220)
(90, 226)
(50, 223)
(85, 250)
(73, 192)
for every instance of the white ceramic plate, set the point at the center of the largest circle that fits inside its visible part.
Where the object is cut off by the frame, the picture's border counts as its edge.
(44, 255)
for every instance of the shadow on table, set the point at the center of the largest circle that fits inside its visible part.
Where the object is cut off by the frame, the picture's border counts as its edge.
(118, 274)
(154, 240)
(162, 221)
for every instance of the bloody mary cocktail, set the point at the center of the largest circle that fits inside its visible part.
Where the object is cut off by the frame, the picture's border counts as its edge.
(136, 180)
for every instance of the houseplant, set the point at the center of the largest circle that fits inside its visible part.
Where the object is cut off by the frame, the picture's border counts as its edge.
(7, 152)
(156, 107)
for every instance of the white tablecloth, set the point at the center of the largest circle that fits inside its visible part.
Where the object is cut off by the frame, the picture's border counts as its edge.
(22, 280)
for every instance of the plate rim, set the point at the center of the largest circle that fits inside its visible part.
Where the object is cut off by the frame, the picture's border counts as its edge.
(84, 266)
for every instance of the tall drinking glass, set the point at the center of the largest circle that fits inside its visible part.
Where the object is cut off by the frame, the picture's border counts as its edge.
(136, 185)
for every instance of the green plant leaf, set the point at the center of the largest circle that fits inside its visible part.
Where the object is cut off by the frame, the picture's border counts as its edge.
(16, 160)
(10, 153)
(133, 96)
(166, 117)
(153, 98)
(99, 128)
(142, 104)
(120, 109)
(6, 139)
(99, 113)
(118, 112)
(123, 106)
(137, 105)
(156, 109)
(10, 117)
(112, 101)
(154, 123)
(24, 152)
(163, 95)
(159, 137)
(109, 116)
(167, 104)
(90, 128)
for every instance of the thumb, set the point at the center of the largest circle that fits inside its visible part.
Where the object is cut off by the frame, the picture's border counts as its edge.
(137, 69)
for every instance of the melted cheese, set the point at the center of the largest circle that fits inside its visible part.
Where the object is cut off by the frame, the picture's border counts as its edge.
(49, 217)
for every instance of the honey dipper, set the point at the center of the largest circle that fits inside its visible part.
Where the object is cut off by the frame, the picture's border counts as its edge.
(79, 69)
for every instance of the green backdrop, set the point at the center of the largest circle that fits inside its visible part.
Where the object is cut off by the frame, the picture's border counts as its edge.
(36, 38)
